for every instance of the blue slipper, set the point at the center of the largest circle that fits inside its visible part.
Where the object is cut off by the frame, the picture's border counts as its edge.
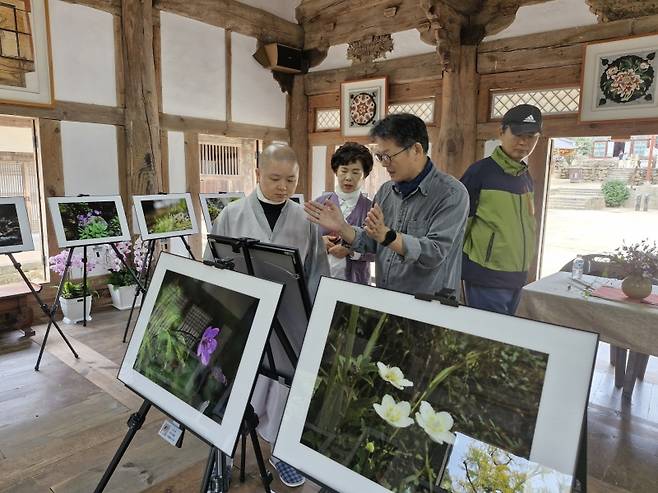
(288, 474)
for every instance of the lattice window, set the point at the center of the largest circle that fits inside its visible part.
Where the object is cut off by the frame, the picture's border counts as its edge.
(422, 109)
(549, 101)
(327, 119)
(219, 159)
(15, 35)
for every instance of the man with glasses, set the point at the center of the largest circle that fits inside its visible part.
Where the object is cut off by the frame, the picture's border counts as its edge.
(416, 226)
(500, 238)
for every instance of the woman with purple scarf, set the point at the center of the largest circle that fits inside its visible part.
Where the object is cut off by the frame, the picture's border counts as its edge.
(351, 164)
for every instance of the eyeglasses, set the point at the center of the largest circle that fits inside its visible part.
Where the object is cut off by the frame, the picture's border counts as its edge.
(386, 159)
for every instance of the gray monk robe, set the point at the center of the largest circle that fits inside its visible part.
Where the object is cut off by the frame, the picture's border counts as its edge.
(245, 218)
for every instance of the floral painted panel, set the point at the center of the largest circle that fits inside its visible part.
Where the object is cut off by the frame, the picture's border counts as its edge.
(392, 395)
(628, 79)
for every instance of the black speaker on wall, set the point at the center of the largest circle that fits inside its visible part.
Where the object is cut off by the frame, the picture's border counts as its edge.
(280, 58)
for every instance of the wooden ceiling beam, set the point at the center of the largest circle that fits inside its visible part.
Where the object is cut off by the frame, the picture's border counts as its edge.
(238, 17)
(111, 6)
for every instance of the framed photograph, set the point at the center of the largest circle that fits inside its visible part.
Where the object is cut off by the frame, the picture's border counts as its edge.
(362, 104)
(91, 220)
(165, 216)
(26, 75)
(619, 80)
(15, 231)
(298, 197)
(198, 343)
(387, 384)
(213, 203)
(282, 265)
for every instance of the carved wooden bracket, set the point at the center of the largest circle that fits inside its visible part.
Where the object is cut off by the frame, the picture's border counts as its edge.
(444, 31)
(614, 10)
(369, 49)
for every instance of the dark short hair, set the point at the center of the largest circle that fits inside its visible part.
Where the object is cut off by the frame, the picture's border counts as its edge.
(351, 152)
(402, 128)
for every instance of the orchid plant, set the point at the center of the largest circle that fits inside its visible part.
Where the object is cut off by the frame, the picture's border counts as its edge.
(71, 289)
(133, 255)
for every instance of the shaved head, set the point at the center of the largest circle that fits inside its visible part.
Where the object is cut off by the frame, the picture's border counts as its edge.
(279, 153)
(277, 172)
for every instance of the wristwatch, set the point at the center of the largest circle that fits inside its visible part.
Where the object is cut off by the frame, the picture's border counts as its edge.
(391, 234)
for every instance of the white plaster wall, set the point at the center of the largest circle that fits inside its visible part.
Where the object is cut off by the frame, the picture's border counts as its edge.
(318, 170)
(281, 8)
(408, 43)
(16, 139)
(176, 144)
(83, 54)
(177, 180)
(256, 96)
(193, 68)
(548, 16)
(91, 165)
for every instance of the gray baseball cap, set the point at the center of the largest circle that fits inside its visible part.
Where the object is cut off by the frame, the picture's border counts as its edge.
(523, 119)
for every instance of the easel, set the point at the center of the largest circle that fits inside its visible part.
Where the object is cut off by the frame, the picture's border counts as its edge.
(144, 276)
(215, 478)
(49, 311)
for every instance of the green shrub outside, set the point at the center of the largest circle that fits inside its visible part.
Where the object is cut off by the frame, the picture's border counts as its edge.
(615, 193)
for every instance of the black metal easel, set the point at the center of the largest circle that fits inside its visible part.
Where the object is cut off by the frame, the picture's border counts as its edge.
(49, 311)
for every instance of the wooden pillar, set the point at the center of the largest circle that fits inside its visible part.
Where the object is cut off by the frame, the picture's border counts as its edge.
(193, 183)
(458, 129)
(298, 126)
(143, 151)
(539, 168)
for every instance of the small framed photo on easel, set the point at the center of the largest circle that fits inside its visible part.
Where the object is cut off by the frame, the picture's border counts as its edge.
(165, 215)
(15, 233)
(81, 221)
(212, 204)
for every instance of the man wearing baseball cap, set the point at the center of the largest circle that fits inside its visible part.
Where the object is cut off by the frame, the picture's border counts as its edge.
(499, 244)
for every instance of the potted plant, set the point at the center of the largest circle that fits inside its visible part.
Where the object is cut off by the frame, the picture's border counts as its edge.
(121, 282)
(639, 263)
(71, 299)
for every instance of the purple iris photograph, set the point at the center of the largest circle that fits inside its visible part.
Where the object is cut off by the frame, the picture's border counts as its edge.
(194, 340)
(90, 220)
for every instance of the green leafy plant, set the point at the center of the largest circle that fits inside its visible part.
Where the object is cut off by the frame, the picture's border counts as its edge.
(615, 193)
(72, 290)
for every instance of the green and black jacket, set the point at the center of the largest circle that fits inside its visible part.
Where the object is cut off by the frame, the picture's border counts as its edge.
(499, 243)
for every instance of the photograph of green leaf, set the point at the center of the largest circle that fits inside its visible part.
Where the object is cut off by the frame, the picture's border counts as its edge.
(392, 392)
(90, 220)
(166, 215)
(194, 340)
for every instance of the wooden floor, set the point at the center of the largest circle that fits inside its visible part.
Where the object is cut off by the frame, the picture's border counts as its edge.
(60, 427)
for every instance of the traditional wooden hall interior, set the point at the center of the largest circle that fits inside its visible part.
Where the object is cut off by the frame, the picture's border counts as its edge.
(150, 96)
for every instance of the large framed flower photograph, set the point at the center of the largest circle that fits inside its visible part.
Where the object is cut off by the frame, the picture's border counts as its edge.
(198, 343)
(15, 231)
(396, 394)
(165, 215)
(362, 104)
(88, 220)
(619, 80)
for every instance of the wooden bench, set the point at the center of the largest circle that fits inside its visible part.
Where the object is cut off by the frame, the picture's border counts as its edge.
(15, 310)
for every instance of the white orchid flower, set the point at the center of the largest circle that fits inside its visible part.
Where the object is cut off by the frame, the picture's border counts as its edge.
(436, 425)
(394, 376)
(394, 413)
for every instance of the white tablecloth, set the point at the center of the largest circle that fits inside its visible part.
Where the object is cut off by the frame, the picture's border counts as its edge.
(559, 300)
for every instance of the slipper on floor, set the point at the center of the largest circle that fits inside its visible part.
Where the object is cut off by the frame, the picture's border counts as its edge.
(288, 474)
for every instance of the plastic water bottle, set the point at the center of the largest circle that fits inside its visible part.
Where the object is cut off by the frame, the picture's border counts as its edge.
(577, 267)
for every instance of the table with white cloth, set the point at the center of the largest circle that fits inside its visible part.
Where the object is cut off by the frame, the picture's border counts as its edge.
(560, 300)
